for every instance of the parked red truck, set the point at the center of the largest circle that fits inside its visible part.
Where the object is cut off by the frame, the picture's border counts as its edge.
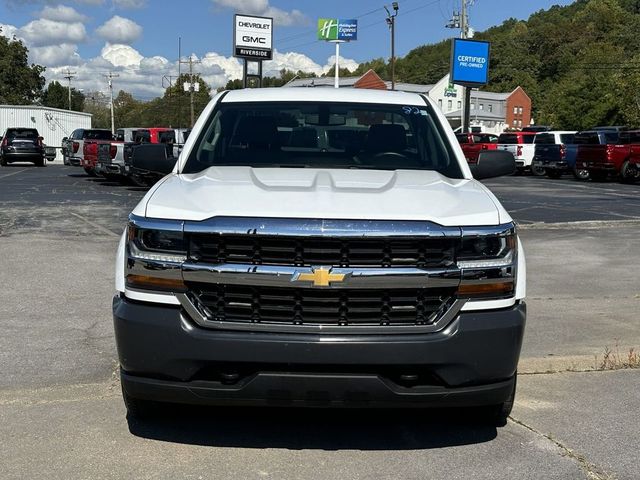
(474, 143)
(94, 151)
(611, 154)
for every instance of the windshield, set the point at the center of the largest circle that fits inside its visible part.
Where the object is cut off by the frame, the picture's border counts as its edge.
(323, 135)
(508, 139)
(28, 133)
(545, 138)
(586, 138)
(98, 135)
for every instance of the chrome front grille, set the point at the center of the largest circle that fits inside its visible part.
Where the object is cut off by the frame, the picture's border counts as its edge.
(322, 251)
(262, 274)
(321, 307)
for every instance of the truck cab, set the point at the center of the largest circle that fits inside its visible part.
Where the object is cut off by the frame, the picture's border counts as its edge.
(598, 154)
(474, 143)
(550, 153)
(321, 247)
(520, 144)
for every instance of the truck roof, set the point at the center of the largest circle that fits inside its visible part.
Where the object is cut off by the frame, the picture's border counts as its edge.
(323, 94)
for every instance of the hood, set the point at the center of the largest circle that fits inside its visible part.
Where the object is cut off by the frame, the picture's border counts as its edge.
(322, 193)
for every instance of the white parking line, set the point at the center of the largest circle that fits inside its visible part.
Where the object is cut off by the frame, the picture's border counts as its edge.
(95, 225)
(14, 173)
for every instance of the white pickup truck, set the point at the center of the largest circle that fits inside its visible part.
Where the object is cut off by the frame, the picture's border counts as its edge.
(521, 145)
(321, 247)
(73, 146)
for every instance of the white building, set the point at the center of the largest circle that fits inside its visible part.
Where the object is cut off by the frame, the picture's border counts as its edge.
(52, 123)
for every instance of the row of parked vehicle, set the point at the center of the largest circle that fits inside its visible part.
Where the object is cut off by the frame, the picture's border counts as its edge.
(597, 154)
(100, 153)
(24, 145)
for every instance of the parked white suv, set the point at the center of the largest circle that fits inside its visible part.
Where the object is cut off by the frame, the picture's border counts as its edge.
(321, 247)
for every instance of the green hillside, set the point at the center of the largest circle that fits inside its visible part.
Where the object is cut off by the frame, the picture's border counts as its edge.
(580, 63)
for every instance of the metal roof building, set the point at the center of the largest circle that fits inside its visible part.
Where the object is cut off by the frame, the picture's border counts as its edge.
(52, 123)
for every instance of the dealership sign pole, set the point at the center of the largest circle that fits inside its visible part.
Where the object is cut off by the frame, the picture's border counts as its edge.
(469, 68)
(253, 42)
(336, 30)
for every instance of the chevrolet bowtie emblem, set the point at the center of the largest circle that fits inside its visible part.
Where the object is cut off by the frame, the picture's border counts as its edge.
(321, 277)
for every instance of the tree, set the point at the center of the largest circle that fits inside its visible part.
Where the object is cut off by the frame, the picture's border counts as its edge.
(97, 104)
(20, 83)
(57, 96)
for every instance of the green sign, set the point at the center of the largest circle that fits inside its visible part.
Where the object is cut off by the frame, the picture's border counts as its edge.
(337, 29)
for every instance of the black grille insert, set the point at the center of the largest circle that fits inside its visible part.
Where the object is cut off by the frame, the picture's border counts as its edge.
(322, 306)
(310, 251)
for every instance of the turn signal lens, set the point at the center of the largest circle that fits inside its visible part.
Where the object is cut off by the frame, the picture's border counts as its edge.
(500, 288)
(144, 281)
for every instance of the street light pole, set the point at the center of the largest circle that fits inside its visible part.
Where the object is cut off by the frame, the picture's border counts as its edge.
(391, 21)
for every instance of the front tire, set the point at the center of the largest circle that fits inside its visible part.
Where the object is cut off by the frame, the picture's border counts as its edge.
(581, 174)
(629, 174)
(139, 409)
(90, 171)
(3, 162)
(538, 171)
(497, 415)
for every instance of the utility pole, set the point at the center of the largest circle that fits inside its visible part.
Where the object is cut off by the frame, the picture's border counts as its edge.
(464, 33)
(191, 85)
(461, 20)
(69, 75)
(110, 76)
(391, 21)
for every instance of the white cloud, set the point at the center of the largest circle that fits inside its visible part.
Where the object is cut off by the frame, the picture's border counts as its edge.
(61, 13)
(44, 32)
(347, 63)
(142, 76)
(121, 55)
(55, 55)
(129, 4)
(280, 17)
(8, 31)
(120, 30)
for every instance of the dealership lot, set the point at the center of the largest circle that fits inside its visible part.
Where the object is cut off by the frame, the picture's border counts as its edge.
(61, 411)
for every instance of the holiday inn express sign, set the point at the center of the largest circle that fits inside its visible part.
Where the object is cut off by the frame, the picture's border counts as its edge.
(337, 29)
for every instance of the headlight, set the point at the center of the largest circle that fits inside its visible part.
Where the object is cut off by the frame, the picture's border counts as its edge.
(488, 257)
(155, 252)
(153, 244)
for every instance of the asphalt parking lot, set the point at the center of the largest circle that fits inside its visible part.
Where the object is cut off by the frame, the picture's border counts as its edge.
(61, 414)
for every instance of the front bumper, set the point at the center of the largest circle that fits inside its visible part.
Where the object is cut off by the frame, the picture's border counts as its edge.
(165, 356)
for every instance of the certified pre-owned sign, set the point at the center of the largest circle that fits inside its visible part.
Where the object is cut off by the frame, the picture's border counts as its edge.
(252, 37)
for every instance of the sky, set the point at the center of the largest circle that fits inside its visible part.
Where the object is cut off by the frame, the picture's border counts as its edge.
(138, 39)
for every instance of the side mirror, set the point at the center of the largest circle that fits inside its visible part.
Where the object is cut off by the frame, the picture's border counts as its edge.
(152, 157)
(493, 163)
(64, 139)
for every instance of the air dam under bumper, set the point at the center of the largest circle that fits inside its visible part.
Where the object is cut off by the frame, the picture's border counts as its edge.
(164, 356)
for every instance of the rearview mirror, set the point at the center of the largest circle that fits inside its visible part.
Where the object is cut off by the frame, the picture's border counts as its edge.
(152, 157)
(493, 163)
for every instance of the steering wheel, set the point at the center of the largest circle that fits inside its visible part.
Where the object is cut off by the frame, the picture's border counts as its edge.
(389, 154)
